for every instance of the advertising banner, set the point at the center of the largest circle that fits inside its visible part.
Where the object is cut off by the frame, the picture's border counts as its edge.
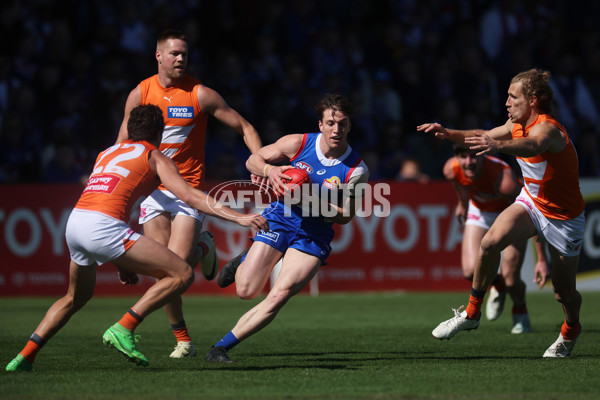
(408, 239)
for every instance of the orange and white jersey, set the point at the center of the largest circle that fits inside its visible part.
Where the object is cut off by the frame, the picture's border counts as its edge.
(121, 176)
(552, 179)
(185, 125)
(482, 191)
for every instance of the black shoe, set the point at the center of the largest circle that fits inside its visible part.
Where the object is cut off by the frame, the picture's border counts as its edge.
(218, 354)
(227, 274)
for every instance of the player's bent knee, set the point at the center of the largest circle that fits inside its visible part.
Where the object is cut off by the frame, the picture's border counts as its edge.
(183, 279)
(188, 276)
(563, 296)
(246, 293)
(75, 303)
(567, 297)
(489, 244)
(468, 269)
(247, 290)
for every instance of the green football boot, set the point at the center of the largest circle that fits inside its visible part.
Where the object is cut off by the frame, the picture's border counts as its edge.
(19, 363)
(125, 343)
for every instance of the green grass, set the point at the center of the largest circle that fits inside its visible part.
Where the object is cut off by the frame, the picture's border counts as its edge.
(374, 346)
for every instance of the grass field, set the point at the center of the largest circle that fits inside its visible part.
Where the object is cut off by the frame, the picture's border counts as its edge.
(374, 346)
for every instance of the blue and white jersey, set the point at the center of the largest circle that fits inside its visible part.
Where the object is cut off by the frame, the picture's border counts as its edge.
(328, 174)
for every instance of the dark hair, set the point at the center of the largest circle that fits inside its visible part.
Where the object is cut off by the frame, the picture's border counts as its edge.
(461, 149)
(170, 34)
(336, 102)
(145, 123)
(535, 82)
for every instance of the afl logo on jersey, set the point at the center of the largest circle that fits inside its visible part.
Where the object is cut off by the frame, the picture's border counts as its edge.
(180, 112)
(304, 166)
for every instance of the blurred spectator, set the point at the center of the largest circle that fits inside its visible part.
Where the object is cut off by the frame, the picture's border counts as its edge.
(372, 157)
(410, 171)
(574, 103)
(271, 130)
(5, 85)
(401, 62)
(500, 25)
(225, 145)
(386, 103)
(64, 166)
(588, 151)
(19, 160)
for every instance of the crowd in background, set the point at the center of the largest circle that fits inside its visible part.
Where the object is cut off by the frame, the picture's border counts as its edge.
(69, 68)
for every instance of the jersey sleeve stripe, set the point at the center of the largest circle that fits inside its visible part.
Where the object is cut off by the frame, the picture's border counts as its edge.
(301, 147)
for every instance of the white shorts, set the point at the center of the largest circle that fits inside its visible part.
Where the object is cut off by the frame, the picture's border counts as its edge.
(161, 201)
(96, 237)
(566, 236)
(476, 217)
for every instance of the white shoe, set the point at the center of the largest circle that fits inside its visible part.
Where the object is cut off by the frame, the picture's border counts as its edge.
(184, 349)
(521, 324)
(458, 323)
(495, 304)
(209, 263)
(560, 348)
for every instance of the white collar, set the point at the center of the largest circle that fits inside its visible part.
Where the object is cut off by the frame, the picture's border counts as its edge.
(329, 162)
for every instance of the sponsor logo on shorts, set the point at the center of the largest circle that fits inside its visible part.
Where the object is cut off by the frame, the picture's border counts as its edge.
(270, 235)
(180, 112)
(524, 202)
(473, 216)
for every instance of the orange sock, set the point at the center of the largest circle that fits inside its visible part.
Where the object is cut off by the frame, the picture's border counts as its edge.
(570, 331)
(35, 344)
(30, 351)
(181, 332)
(130, 320)
(475, 302)
(474, 307)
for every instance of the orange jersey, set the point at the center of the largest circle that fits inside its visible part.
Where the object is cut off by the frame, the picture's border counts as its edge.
(121, 176)
(552, 179)
(185, 125)
(483, 190)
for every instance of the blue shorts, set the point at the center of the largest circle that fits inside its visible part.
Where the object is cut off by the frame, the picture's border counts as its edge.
(290, 232)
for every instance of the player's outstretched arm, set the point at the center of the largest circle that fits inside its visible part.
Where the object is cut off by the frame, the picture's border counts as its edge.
(169, 175)
(456, 136)
(460, 136)
(212, 103)
(544, 137)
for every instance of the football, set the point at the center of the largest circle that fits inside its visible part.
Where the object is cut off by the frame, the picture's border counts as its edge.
(299, 176)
